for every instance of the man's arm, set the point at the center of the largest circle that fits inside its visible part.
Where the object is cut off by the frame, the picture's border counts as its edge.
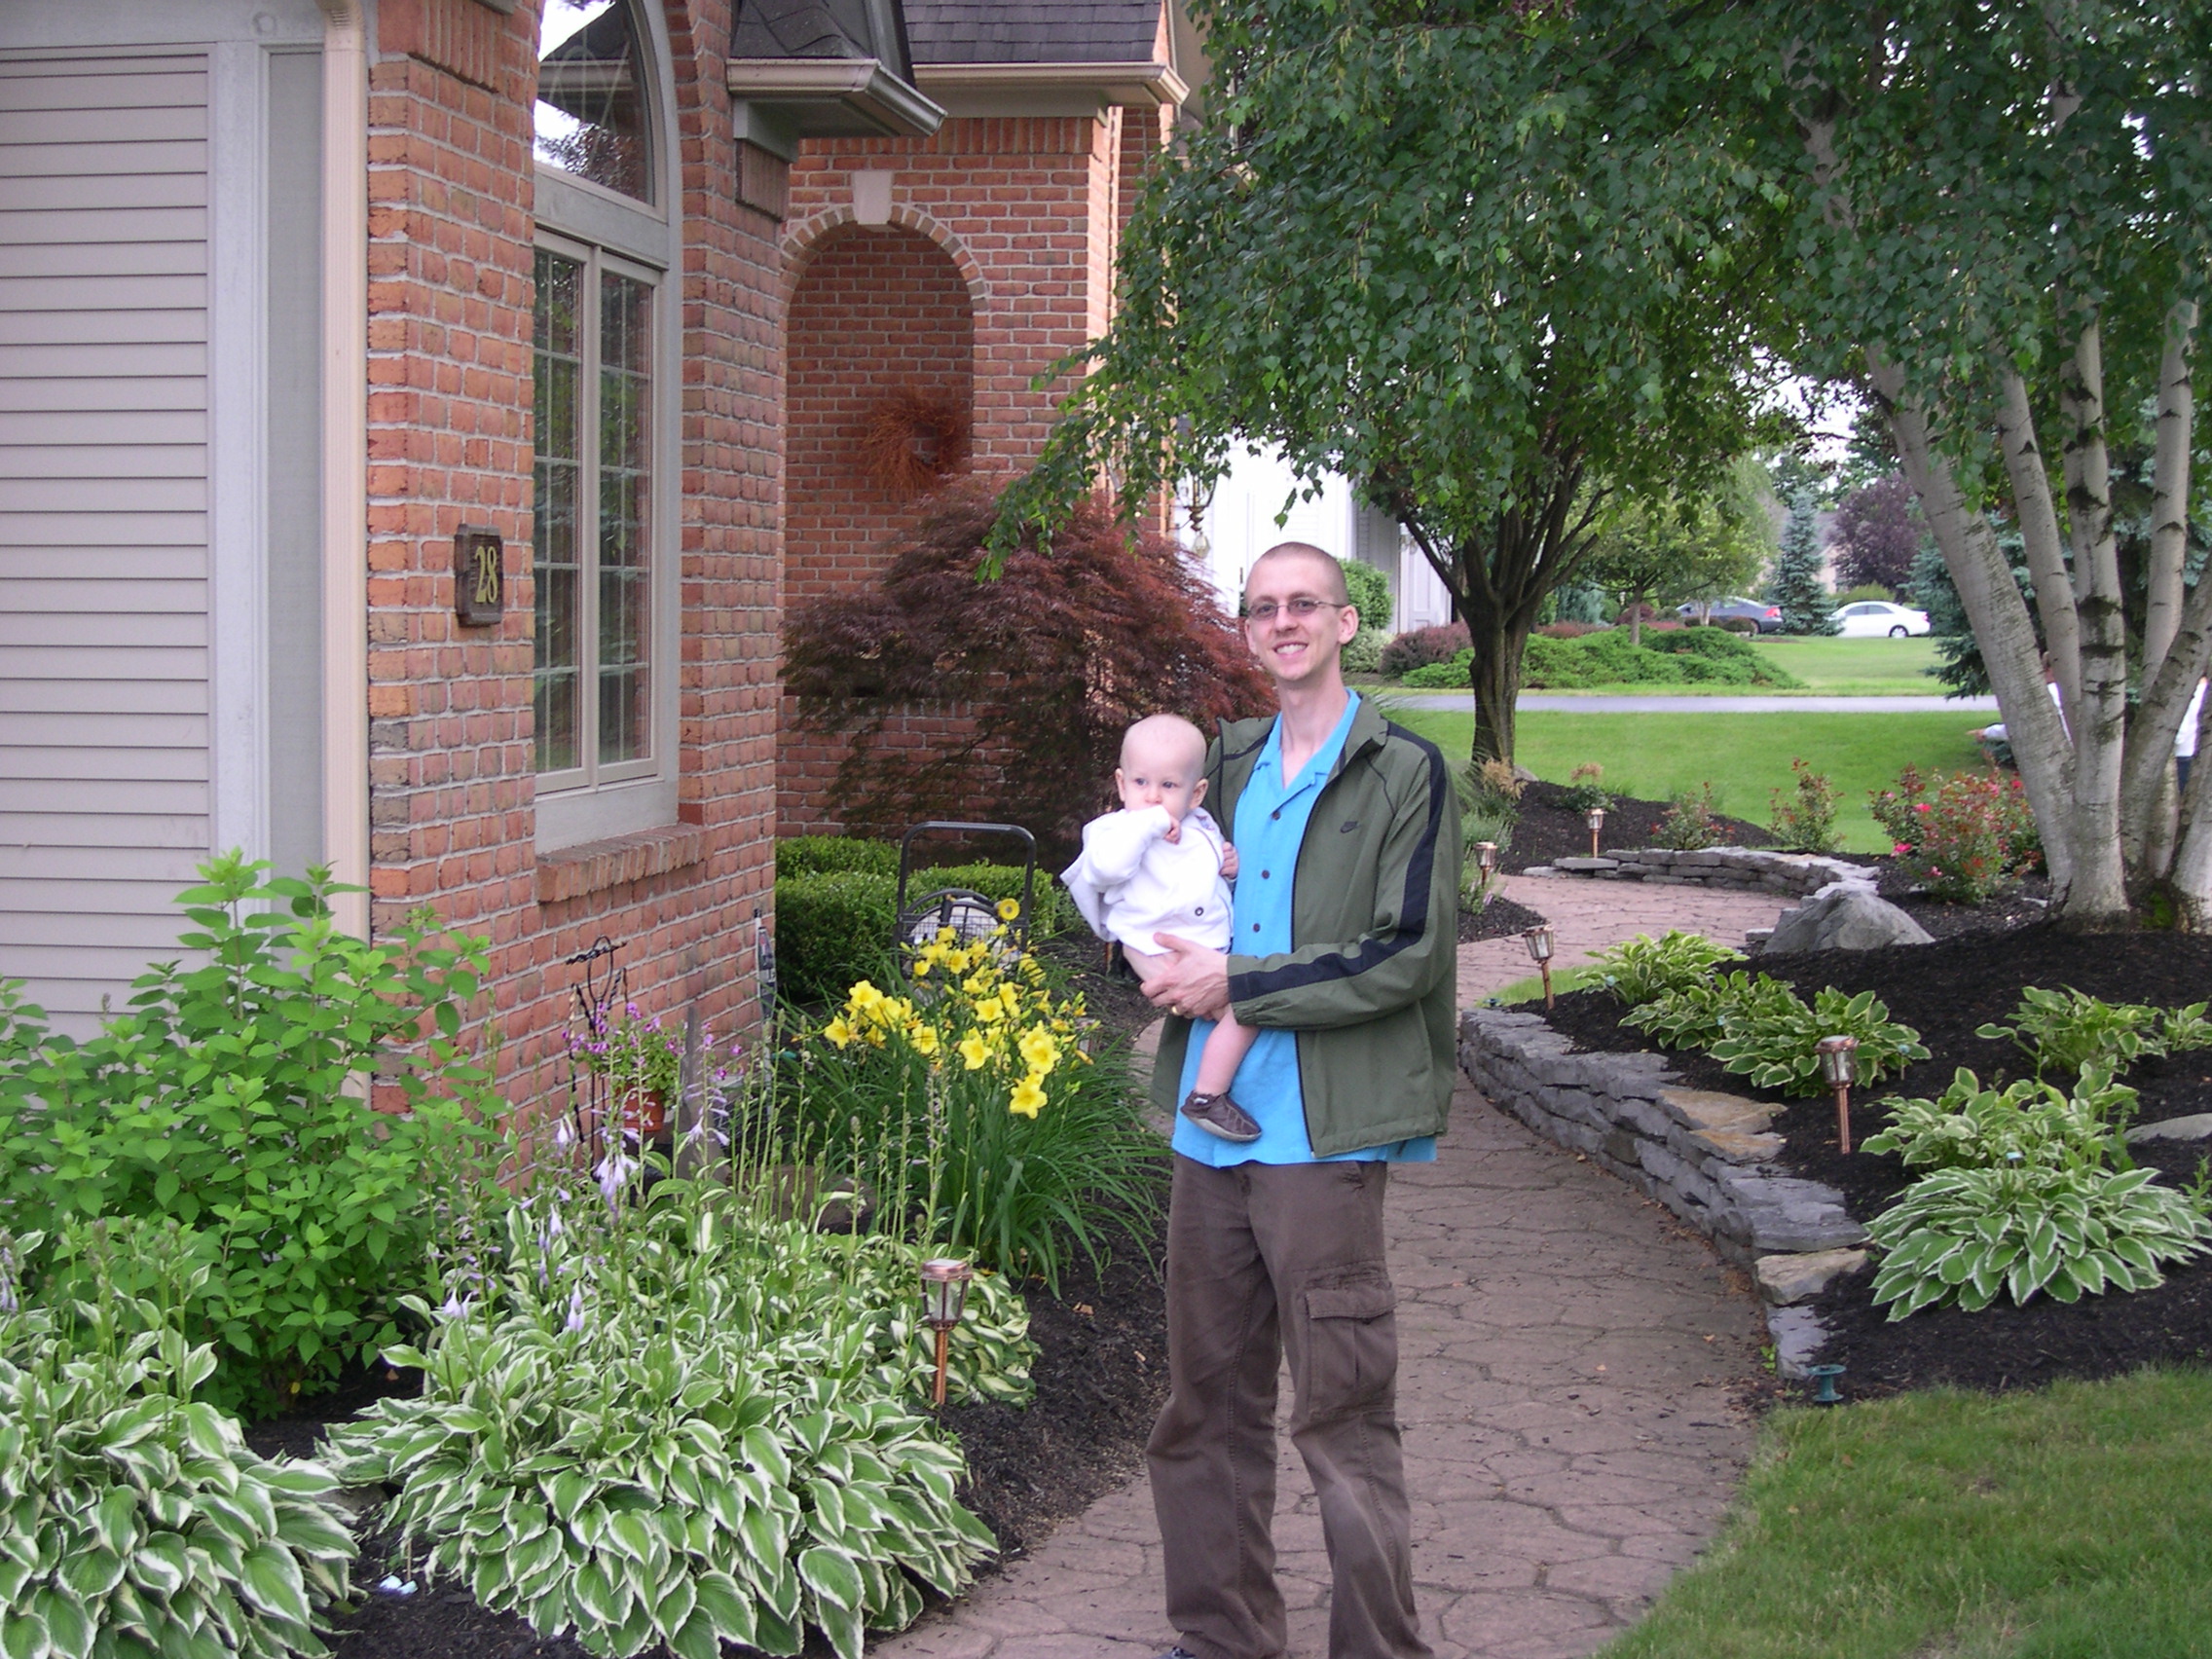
(1414, 940)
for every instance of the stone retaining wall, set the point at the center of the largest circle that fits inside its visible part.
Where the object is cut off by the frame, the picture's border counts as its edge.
(1798, 874)
(1701, 1155)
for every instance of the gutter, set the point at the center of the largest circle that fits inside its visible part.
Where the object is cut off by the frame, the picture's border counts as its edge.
(1137, 83)
(344, 358)
(862, 86)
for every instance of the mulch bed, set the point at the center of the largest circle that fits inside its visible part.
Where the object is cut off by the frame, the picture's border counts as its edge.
(1500, 918)
(1945, 991)
(1550, 827)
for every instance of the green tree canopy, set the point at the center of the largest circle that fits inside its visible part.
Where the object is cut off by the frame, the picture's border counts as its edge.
(1492, 263)
(1667, 547)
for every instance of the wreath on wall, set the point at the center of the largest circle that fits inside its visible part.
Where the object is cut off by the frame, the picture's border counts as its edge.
(916, 440)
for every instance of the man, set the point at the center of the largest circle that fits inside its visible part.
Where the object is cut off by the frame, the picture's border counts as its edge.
(1344, 956)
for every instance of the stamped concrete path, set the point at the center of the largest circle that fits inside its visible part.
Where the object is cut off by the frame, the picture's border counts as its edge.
(1565, 1355)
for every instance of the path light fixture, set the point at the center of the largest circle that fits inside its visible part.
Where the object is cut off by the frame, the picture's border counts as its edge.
(1837, 1066)
(944, 1296)
(1596, 823)
(1823, 1383)
(1486, 859)
(1539, 941)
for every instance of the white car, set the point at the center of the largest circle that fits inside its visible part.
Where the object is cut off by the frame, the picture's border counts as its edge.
(1872, 619)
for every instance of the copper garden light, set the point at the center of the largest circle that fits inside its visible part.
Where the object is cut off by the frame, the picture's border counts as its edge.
(1486, 859)
(1597, 822)
(1541, 941)
(945, 1295)
(1836, 1067)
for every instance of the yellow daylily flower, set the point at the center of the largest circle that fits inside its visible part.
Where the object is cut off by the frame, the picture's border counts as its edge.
(1028, 1096)
(864, 996)
(923, 1037)
(1038, 1049)
(1009, 910)
(975, 1050)
(990, 1010)
(839, 1032)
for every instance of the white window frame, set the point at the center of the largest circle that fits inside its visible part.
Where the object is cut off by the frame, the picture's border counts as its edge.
(610, 233)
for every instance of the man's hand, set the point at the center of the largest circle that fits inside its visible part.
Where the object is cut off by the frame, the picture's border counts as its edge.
(1228, 861)
(1195, 983)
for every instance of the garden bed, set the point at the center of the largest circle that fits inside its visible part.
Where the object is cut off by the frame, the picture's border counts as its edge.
(1550, 825)
(1945, 991)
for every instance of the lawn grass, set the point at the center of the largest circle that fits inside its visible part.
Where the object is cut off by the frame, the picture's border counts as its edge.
(1531, 989)
(2072, 1523)
(1651, 757)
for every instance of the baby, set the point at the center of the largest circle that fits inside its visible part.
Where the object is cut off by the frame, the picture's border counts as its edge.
(1159, 866)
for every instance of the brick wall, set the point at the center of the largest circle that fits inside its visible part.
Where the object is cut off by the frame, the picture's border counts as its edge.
(453, 793)
(1026, 212)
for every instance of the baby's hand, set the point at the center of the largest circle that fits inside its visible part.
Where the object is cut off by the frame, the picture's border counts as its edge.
(1174, 832)
(1228, 861)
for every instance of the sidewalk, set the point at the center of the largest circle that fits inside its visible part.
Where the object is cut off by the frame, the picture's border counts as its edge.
(1587, 916)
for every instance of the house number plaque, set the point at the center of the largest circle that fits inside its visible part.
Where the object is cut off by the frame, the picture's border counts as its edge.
(479, 577)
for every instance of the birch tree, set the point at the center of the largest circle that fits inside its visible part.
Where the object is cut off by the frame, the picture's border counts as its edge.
(2002, 220)
(1489, 271)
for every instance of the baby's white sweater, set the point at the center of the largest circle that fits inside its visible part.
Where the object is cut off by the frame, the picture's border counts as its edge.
(1131, 882)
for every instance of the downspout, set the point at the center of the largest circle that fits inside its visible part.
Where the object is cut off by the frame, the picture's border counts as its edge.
(344, 457)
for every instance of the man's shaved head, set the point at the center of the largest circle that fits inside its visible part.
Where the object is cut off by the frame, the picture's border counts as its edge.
(1332, 573)
(1167, 739)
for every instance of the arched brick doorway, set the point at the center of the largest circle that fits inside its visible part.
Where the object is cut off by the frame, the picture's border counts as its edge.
(879, 402)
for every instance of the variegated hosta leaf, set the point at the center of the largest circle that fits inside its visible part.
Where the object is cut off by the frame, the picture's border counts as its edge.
(136, 1517)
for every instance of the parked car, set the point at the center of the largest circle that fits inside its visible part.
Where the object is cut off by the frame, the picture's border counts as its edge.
(1872, 619)
(1767, 618)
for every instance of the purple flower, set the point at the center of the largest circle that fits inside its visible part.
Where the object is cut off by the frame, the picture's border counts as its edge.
(575, 1319)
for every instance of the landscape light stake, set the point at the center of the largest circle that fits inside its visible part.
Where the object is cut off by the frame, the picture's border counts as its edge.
(1835, 1065)
(1486, 860)
(1824, 1378)
(944, 1294)
(1596, 823)
(1539, 942)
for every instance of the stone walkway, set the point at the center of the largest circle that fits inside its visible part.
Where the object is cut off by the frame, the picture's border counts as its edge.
(1587, 916)
(1566, 1352)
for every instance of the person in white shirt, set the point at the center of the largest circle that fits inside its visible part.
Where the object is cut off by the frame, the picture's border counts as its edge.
(1160, 866)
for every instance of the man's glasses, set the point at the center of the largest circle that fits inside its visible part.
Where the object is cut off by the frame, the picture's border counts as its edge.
(1300, 607)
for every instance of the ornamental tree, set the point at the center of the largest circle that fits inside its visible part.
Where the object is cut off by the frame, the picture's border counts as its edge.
(1492, 263)
(1666, 547)
(2001, 220)
(1877, 535)
(1806, 605)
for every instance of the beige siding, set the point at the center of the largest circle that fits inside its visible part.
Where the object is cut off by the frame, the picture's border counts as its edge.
(103, 516)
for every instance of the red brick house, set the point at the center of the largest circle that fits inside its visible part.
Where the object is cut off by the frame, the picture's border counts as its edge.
(394, 436)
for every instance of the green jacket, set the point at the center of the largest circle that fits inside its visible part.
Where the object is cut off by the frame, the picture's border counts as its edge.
(1372, 986)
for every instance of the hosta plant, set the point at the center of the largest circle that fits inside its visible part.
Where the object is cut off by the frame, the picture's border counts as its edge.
(1969, 1126)
(2064, 1031)
(1774, 1041)
(1641, 969)
(682, 1422)
(1695, 1016)
(135, 1521)
(2023, 1229)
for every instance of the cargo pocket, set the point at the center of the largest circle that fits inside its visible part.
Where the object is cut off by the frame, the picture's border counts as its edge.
(1351, 1343)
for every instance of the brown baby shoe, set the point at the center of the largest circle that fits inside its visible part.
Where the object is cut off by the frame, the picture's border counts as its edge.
(1218, 1115)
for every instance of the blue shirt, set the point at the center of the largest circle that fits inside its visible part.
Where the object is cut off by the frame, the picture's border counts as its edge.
(1269, 828)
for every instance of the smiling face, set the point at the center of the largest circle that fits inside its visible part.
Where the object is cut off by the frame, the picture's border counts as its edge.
(1162, 761)
(1297, 650)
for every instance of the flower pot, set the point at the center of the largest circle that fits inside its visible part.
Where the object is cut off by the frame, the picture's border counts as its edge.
(644, 1113)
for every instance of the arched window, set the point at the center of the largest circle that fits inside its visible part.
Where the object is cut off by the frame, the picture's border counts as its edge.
(604, 425)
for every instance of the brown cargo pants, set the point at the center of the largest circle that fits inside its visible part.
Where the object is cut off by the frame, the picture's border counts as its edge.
(1264, 1259)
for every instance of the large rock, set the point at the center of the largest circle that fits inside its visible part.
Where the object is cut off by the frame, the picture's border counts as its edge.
(1799, 1277)
(1845, 918)
(2197, 1126)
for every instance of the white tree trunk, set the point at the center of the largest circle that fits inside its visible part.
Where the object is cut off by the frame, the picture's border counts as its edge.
(2169, 499)
(2037, 516)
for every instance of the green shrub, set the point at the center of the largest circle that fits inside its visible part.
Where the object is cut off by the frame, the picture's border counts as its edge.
(1456, 672)
(1972, 1127)
(134, 1520)
(666, 1418)
(1370, 591)
(1966, 1235)
(1416, 647)
(975, 1102)
(1586, 789)
(1691, 821)
(1054, 910)
(1363, 651)
(1643, 969)
(1772, 1041)
(227, 1098)
(1685, 657)
(2066, 1031)
(819, 855)
(1804, 819)
(1959, 835)
(831, 928)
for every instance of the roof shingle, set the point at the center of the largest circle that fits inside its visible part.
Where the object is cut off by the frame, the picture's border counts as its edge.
(1032, 31)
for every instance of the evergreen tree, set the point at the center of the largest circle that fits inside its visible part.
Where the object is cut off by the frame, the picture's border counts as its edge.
(1797, 586)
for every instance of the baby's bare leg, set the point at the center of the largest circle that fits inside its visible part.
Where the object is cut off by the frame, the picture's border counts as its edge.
(1227, 1044)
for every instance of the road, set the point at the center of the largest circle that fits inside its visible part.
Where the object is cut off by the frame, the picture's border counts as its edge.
(1538, 702)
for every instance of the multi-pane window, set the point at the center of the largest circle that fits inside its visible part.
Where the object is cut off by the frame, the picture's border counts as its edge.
(594, 488)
